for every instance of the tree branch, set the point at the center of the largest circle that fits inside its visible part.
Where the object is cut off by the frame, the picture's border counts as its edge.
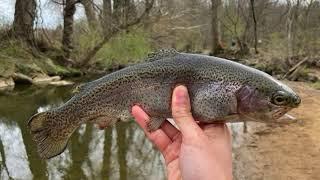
(114, 31)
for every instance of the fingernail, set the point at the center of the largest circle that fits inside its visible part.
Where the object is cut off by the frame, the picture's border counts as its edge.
(181, 97)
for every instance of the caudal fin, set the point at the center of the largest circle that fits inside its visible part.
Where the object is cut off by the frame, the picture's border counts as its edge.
(50, 142)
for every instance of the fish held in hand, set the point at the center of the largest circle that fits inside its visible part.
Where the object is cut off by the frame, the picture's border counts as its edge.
(219, 89)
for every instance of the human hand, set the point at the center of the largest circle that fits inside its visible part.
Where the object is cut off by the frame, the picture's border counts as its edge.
(195, 151)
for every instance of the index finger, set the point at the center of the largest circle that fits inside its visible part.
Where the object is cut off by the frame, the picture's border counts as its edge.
(157, 137)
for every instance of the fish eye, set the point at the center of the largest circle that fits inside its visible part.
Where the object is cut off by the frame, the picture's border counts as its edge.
(279, 98)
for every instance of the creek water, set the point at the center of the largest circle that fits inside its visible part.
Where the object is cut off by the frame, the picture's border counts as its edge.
(120, 152)
(123, 152)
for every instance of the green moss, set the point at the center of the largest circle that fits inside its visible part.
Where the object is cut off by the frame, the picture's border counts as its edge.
(52, 69)
(15, 58)
(28, 69)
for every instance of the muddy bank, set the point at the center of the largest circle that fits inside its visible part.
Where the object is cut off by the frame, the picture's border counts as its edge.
(282, 152)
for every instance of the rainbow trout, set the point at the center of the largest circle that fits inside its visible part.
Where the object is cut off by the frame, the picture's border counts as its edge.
(219, 89)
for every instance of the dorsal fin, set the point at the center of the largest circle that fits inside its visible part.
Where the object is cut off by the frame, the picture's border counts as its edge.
(162, 53)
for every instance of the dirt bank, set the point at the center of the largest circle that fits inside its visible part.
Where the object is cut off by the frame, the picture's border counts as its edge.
(286, 152)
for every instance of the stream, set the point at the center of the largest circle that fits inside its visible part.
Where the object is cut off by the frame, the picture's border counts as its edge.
(122, 152)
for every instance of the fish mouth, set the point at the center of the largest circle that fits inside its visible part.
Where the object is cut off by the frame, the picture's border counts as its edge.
(279, 112)
(276, 115)
(280, 115)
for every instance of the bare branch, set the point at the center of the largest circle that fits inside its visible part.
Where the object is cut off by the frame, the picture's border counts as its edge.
(188, 28)
(116, 30)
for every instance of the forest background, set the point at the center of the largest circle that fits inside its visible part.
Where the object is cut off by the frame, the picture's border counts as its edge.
(52, 39)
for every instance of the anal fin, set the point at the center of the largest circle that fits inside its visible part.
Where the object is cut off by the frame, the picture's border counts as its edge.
(104, 122)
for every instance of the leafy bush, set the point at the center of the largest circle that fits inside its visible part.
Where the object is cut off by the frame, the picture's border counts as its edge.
(125, 48)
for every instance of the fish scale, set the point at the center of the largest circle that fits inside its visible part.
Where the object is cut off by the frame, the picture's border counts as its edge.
(219, 89)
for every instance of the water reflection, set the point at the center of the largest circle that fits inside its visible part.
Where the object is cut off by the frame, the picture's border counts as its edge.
(120, 152)
(57, 166)
(93, 165)
(13, 153)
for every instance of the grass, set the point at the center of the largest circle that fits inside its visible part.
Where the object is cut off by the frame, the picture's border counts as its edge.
(14, 57)
(124, 48)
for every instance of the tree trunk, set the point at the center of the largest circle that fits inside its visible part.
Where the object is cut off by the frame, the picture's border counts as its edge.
(289, 37)
(129, 10)
(67, 45)
(24, 16)
(254, 26)
(107, 166)
(107, 17)
(291, 29)
(124, 11)
(117, 14)
(242, 41)
(216, 45)
(90, 14)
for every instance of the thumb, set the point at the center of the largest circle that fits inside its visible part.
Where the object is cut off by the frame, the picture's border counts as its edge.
(181, 112)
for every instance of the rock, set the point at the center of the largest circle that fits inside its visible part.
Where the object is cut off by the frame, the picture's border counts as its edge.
(6, 83)
(61, 83)
(45, 79)
(53, 80)
(22, 79)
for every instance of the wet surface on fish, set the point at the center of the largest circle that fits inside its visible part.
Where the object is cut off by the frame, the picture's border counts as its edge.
(123, 152)
(218, 89)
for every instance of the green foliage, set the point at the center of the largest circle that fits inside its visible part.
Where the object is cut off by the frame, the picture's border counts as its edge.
(304, 73)
(316, 85)
(276, 44)
(85, 41)
(192, 43)
(308, 42)
(14, 48)
(122, 49)
(125, 48)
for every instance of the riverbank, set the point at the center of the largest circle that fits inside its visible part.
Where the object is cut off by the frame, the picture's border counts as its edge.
(46, 65)
(282, 152)
(19, 66)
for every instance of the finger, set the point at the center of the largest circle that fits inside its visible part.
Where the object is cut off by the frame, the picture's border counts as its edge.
(181, 112)
(157, 137)
(170, 130)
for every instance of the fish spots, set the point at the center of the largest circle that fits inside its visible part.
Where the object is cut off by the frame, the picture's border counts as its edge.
(212, 83)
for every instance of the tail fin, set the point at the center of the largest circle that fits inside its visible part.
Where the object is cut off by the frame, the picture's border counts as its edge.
(50, 142)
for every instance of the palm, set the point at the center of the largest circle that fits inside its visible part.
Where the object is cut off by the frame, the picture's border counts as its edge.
(180, 152)
(195, 151)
